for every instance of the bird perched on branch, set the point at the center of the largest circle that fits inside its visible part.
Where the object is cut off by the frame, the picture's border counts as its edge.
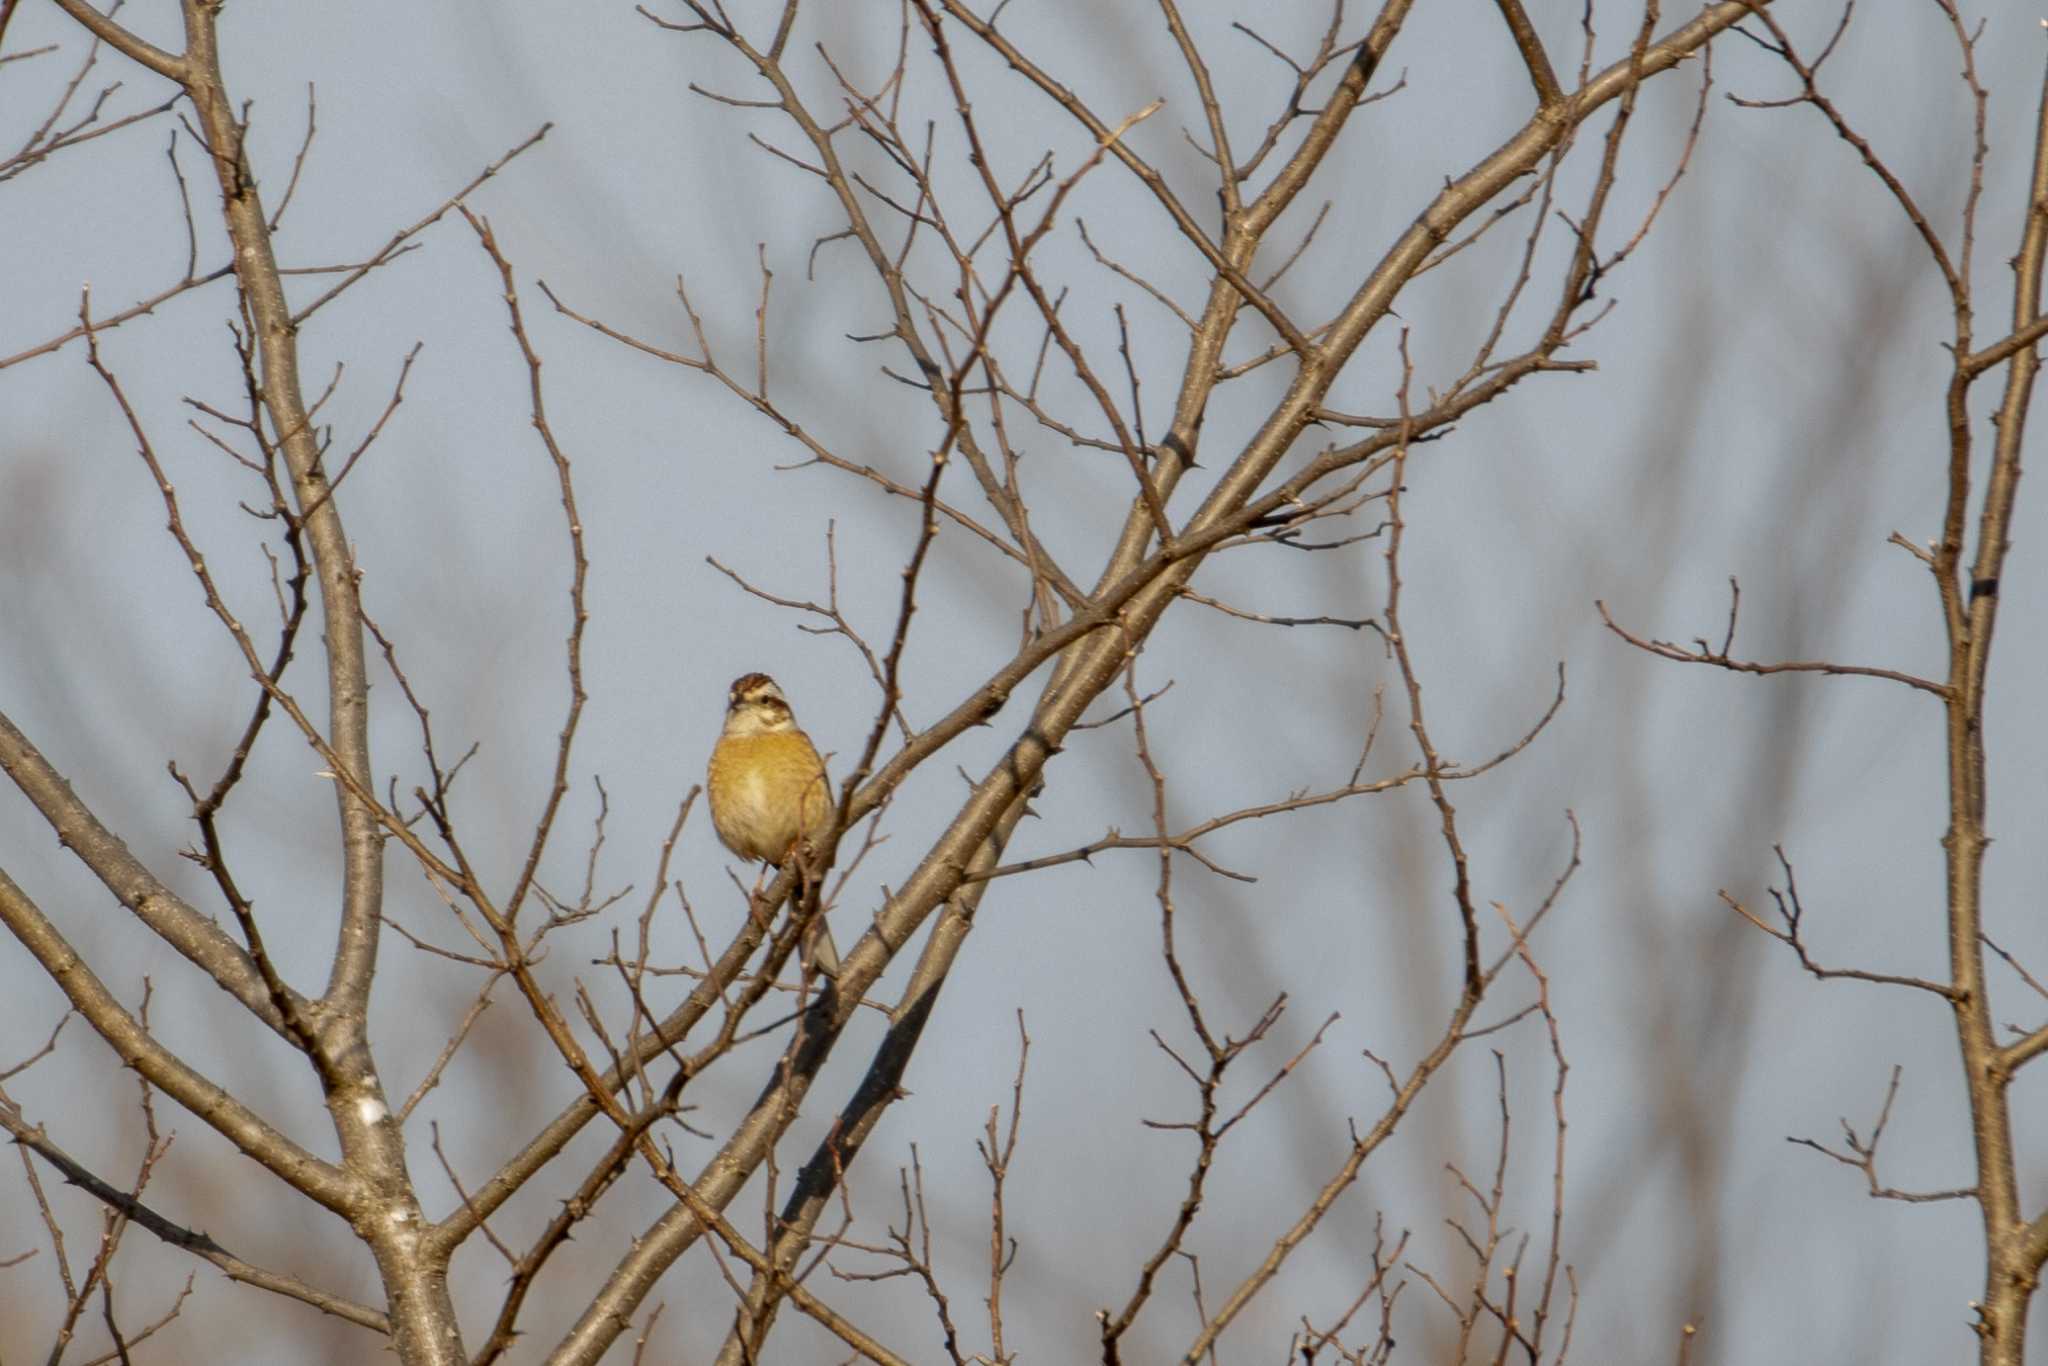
(769, 797)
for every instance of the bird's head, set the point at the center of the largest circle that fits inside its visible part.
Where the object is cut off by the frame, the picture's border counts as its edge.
(757, 706)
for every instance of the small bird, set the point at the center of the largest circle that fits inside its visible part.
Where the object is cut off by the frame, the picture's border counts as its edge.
(769, 797)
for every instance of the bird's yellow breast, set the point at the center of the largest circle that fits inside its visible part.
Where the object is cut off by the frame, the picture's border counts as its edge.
(767, 791)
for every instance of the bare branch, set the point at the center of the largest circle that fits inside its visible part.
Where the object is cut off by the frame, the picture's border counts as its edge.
(198, 1244)
(1793, 913)
(1702, 653)
(164, 64)
(1862, 1155)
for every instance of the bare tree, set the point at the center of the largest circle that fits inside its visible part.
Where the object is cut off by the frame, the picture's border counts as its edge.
(1044, 602)
(1966, 579)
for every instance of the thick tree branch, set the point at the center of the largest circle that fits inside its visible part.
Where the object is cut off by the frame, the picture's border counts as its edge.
(127, 44)
(199, 1244)
(180, 925)
(138, 1048)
